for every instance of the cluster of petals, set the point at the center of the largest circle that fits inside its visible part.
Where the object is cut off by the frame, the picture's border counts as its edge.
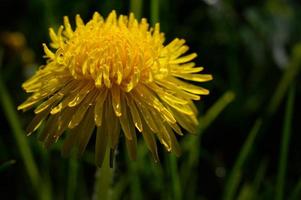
(114, 75)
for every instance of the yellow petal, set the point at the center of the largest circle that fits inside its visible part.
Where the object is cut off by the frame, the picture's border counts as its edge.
(86, 131)
(115, 92)
(37, 121)
(135, 113)
(124, 120)
(183, 59)
(150, 140)
(195, 77)
(82, 108)
(98, 112)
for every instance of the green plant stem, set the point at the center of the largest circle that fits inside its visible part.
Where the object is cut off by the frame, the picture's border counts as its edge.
(279, 193)
(104, 176)
(175, 179)
(155, 8)
(22, 144)
(136, 8)
(234, 177)
(72, 178)
(134, 180)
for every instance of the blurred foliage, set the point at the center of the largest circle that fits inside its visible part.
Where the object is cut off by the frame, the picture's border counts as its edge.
(248, 141)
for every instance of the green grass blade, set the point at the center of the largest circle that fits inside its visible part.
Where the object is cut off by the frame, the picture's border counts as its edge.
(136, 8)
(259, 177)
(155, 8)
(280, 184)
(191, 144)
(216, 109)
(288, 77)
(23, 146)
(213, 112)
(234, 177)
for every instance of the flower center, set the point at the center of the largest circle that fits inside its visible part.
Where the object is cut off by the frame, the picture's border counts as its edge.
(112, 55)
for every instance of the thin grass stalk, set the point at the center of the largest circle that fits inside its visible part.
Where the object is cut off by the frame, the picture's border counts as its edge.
(288, 77)
(19, 135)
(205, 121)
(155, 11)
(259, 177)
(215, 110)
(192, 143)
(234, 177)
(136, 8)
(286, 133)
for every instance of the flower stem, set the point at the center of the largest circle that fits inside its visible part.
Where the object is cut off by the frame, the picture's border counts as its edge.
(103, 179)
(176, 184)
(72, 178)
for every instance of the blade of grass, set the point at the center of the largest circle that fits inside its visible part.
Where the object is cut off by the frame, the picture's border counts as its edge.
(191, 144)
(282, 165)
(216, 109)
(155, 8)
(234, 177)
(136, 8)
(288, 77)
(259, 177)
(22, 144)
(205, 121)
(250, 191)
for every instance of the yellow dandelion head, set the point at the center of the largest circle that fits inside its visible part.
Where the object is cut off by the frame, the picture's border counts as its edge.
(115, 74)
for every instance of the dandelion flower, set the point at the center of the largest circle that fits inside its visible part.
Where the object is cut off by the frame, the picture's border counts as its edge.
(114, 74)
